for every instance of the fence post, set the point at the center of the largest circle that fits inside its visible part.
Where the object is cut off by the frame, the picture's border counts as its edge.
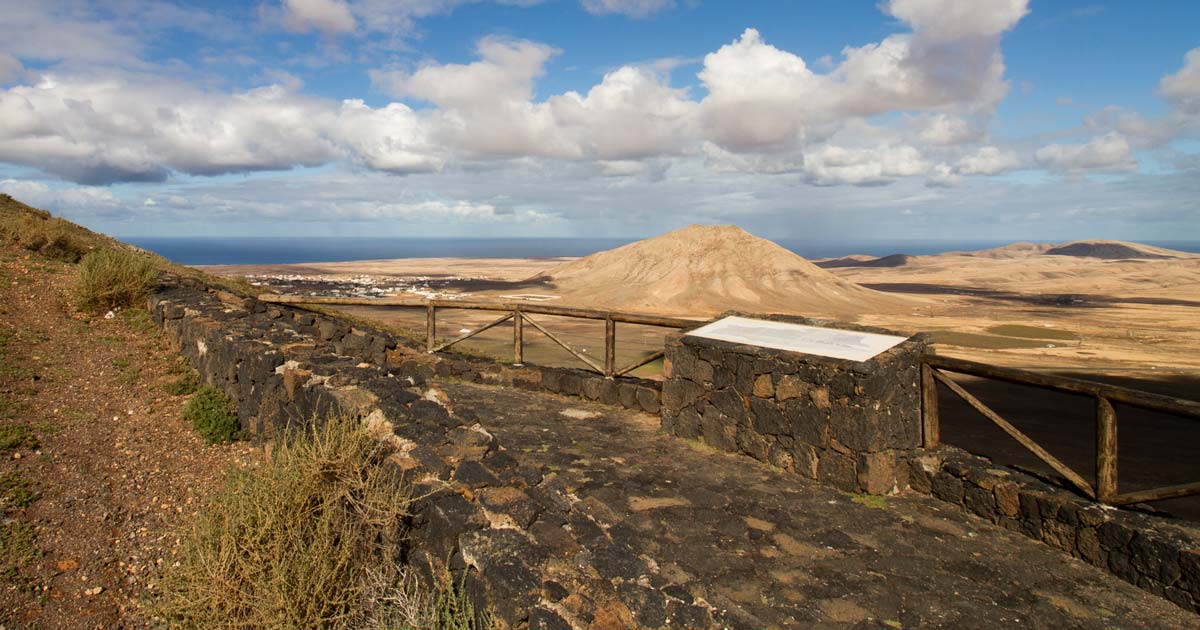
(930, 423)
(1106, 450)
(518, 337)
(430, 326)
(610, 345)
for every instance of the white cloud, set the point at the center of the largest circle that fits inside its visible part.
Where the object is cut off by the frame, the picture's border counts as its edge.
(86, 199)
(99, 129)
(391, 138)
(331, 17)
(764, 109)
(632, 8)
(762, 98)
(759, 97)
(950, 20)
(988, 160)
(943, 176)
(1182, 89)
(946, 130)
(505, 73)
(485, 108)
(631, 114)
(829, 164)
(1107, 153)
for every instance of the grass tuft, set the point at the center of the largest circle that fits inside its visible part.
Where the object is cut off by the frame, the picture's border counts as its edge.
(13, 436)
(212, 415)
(16, 491)
(309, 539)
(111, 278)
(16, 546)
(187, 383)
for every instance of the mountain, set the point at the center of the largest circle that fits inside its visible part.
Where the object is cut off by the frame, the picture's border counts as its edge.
(704, 270)
(1113, 250)
(895, 260)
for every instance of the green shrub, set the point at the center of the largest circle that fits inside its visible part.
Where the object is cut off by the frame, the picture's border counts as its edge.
(111, 278)
(310, 539)
(212, 416)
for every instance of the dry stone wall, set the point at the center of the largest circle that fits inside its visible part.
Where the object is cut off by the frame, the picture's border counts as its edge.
(542, 559)
(846, 423)
(515, 535)
(857, 426)
(1157, 554)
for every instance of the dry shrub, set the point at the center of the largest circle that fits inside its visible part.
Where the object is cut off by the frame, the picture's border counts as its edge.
(309, 539)
(51, 237)
(112, 278)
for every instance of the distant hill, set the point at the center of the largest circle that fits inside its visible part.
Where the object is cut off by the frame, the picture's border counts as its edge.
(1113, 250)
(704, 270)
(895, 260)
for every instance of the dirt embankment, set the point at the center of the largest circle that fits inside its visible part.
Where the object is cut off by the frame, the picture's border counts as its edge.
(109, 467)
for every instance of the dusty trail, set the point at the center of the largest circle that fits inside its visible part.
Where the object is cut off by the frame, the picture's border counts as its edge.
(116, 467)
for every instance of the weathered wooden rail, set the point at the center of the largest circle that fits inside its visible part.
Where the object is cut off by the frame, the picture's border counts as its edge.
(1104, 487)
(519, 313)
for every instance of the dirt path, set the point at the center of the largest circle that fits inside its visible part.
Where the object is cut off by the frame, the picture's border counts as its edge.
(114, 467)
(776, 551)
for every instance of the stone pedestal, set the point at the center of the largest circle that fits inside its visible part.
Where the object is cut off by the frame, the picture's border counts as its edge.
(852, 424)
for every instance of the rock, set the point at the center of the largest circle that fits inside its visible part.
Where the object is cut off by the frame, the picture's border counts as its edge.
(877, 473)
(790, 386)
(763, 387)
(648, 399)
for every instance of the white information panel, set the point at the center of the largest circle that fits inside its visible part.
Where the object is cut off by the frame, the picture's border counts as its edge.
(826, 342)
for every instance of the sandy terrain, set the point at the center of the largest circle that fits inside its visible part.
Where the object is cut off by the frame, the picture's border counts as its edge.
(1017, 305)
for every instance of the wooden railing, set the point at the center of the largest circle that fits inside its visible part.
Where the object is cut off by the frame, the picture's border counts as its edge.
(1104, 487)
(519, 313)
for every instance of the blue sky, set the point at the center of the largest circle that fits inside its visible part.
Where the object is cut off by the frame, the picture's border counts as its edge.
(924, 119)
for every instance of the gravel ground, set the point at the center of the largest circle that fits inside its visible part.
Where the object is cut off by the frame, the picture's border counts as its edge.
(115, 469)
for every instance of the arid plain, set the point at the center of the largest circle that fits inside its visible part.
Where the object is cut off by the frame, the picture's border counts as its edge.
(1096, 306)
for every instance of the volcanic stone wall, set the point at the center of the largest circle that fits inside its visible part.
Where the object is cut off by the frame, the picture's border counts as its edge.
(542, 559)
(515, 535)
(1160, 555)
(847, 423)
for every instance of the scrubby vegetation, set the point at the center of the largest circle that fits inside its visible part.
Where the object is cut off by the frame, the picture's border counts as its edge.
(184, 384)
(112, 278)
(37, 231)
(212, 415)
(310, 539)
(14, 435)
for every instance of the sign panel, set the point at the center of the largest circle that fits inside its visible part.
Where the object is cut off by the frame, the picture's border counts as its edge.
(826, 342)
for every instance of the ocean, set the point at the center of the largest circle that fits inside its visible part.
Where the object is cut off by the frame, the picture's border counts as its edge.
(258, 250)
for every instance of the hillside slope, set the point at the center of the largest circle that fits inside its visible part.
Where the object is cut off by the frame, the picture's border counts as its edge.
(703, 270)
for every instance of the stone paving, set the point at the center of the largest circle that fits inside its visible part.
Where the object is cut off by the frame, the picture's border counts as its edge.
(771, 550)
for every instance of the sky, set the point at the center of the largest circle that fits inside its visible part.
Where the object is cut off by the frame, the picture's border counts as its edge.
(898, 119)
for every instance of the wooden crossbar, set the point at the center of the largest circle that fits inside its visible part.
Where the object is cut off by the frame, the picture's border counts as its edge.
(640, 362)
(1017, 435)
(578, 355)
(1157, 494)
(472, 333)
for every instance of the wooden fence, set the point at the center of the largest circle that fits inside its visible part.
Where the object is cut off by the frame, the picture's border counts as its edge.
(1104, 486)
(519, 313)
